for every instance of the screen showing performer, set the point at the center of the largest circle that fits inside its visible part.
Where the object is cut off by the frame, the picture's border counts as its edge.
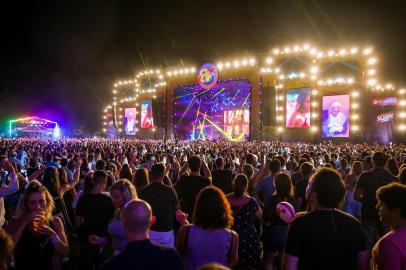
(129, 121)
(236, 122)
(147, 119)
(335, 117)
(298, 108)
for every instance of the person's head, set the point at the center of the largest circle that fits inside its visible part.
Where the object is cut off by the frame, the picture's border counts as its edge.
(137, 218)
(141, 179)
(402, 176)
(122, 192)
(64, 162)
(33, 163)
(212, 209)
(99, 180)
(6, 250)
(240, 185)
(327, 189)
(335, 108)
(275, 166)
(306, 169)
(219, 163)
(282, 160)
(158, 172)
(392, 204)
(283, 185)
(88, 185)
(379, 159)
(35, 199)
(249, 159)
(343, 163)
(51, 181)
(100, 164)
(392, 166)
(303, 102)
(195, 162)
(125, 172)
(356, 168)
(248, 170)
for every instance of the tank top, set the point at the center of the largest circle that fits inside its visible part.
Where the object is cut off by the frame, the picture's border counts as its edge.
(34, 252)
(206, 246)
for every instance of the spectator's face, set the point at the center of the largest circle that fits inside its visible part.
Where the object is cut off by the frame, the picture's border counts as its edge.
(36, 202)
(117, 198)
(384, 212)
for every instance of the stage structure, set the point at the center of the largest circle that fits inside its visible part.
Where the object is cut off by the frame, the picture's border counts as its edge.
(293, 93)
(34, 127)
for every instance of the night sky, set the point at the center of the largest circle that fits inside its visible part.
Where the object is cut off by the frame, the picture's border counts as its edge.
(59, 60)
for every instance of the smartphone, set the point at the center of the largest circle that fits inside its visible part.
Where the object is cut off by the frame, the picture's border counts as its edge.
(3, 177)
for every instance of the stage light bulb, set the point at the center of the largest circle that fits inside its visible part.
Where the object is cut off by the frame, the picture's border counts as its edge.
(367, 51)
(330, 82)
(115, 85)
(320, 82)
(330, 53)
(306, 46)
(313, 129)
(236, 63)
(104, 130)
(181, 72)
(372, 82)
(169, 73)
(402, 91)
(402, 102)
(402, 114)
(372, 61)
(281, 97)
(314, 69)
(276, 51)
(280, 129)
(287, 50)
(343, 52)
(354, 50)
(355, 106)
(320, 55)
(355, 117)
(314, 92)
(121, 109)
(402, 127)
(313, 51)
(192, 69)
(228, 65)
(281, 77)
(277, 70)
(104, 123)
(314, 104)
(355, 94)
(355, 128)
(371, 72)
(388, 86)
(314, 115)
(296, 48)
(269, 60)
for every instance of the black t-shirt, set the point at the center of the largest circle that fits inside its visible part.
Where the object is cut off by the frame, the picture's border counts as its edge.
(325, 239)
(270, 214)
(187, 188)
(296, 177)
(144, 255)
(369, 182)
(163, 201)
(223, 180)
(300, 192)
(96, 210)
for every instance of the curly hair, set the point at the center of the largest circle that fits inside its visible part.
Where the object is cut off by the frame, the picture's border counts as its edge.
(35, 187)
(212, 209)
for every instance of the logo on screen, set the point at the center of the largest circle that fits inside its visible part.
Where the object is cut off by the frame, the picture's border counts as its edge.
(390, 101)
(384, 117)
(207, 76)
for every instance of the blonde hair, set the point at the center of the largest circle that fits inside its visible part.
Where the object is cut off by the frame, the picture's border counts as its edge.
(126, 188)
(35, 187)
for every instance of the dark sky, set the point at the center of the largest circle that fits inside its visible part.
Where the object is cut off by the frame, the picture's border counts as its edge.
(59, 60)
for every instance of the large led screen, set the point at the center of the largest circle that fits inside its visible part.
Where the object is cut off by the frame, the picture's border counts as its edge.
(298, 108)
(129, 121)
(335, 116)
(147, 119)
(218, 113)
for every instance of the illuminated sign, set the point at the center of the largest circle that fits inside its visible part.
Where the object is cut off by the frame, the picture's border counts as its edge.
(389, 101)
(384, 117)
(207, 76)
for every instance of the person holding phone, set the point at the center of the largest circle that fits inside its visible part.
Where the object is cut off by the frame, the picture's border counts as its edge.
(7, 172)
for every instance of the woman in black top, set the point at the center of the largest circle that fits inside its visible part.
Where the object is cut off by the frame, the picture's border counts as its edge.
(275, 231)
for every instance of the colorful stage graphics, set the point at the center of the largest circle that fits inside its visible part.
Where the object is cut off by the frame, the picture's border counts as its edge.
(298, 108)
(130, 121)
(335, 116)
(147, 119)
(207, 76)
(219, 113)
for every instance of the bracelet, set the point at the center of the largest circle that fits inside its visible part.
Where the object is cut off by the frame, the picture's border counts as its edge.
(55, 239)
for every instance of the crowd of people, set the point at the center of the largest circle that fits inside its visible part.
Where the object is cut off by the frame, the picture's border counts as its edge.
(150, 204)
